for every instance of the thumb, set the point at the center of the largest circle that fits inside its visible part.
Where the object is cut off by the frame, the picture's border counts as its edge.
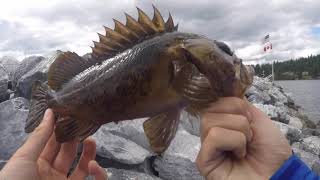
(38, 139)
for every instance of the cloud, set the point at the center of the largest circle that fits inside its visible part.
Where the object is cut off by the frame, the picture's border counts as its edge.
(38, 27)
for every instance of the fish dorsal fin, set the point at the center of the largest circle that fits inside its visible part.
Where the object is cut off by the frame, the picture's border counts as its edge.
(65, 67)
(123, 36)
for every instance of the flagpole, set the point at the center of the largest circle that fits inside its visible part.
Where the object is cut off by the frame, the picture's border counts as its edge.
(272, 71)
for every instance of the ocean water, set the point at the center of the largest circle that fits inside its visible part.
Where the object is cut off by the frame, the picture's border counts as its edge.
(306, 94)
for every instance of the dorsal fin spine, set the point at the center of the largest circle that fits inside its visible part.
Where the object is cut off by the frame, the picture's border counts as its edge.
(125, 36)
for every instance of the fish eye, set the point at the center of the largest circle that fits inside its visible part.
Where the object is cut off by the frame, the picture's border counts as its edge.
(224, 47)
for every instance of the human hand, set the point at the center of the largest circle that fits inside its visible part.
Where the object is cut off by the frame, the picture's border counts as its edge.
(41, 157)
(238, 141)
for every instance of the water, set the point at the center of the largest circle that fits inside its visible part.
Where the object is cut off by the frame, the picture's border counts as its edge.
(306, 94)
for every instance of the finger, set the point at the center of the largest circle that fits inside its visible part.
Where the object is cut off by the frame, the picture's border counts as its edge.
(230, 105)
(51, 150)
(88, 154)
(38, 139)
(97, 171)
(216, 143)
(226, 121)
(66, 156)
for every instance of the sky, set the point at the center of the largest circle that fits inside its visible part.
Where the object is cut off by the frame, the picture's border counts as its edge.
(38, 27)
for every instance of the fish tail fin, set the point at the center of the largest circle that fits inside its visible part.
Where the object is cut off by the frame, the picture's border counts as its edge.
(38, 105)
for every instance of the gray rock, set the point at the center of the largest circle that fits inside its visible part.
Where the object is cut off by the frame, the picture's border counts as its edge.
(311, 144)
(305, 156)
(278, 113)
(39, 72)
(122, 174)
(255, 95)
(295, 122)
(118, 148)
(116, 174)
(10, 64)
(25, 66)
(190, 123)
(131, 130)
(292, 134)
(178, 161)
(316, 167)
(13, 114)
(4, 80)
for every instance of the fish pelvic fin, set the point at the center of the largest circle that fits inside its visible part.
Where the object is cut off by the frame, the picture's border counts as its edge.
(38, 105)
(69, 128)
(161, 129)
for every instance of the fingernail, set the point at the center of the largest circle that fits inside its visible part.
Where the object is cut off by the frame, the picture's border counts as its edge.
(46, 114)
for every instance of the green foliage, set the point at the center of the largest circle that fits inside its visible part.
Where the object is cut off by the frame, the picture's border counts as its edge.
(302, 68)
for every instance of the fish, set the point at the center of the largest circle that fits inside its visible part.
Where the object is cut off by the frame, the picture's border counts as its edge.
(144, 68)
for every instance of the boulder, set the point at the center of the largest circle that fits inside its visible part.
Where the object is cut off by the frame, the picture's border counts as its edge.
(122, 174)
(178, 161)
(316, 167)
(190, 123)
(305, 156)
(255, 95)
(131, 130)
(277, 113)
(292, 134)
(295, 122)
(13, 114)
(38, 72)
(311, 144)
(10, 64)
(118, 148)
(25, 66)
(4, 80)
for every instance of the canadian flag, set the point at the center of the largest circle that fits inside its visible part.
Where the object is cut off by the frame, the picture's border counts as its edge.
(267, 47)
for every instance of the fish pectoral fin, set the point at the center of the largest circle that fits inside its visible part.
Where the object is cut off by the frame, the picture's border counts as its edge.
(161, 129)
(65, 67)
(38, 105)
(68, 128)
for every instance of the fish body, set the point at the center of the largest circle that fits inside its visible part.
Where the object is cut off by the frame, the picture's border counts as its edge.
(143, 69)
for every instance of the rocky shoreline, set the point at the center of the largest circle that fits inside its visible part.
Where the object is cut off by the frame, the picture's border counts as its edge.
(123, 149)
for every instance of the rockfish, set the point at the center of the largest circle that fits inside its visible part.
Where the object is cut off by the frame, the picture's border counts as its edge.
(142, 69)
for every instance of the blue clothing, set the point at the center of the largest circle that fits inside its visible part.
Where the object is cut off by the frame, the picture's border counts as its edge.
(294, 169)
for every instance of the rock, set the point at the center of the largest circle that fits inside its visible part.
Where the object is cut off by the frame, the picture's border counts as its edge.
(311, 144)
(115, 174)
(276, 95)
(13, 114)
(38, 72)
(25, 66)
(254, 95)
(295, 122)
(292, 134)
(122, 174)
(178, 161)
(278, 113)
(316, 167)
(305, 156)
(131, 130)
(118, 148)
(4, 80)
(190, 123)
(10, 64)
(270, 110)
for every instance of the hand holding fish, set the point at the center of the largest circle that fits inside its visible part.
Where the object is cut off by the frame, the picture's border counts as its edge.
(239, 142)
(41, 157)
